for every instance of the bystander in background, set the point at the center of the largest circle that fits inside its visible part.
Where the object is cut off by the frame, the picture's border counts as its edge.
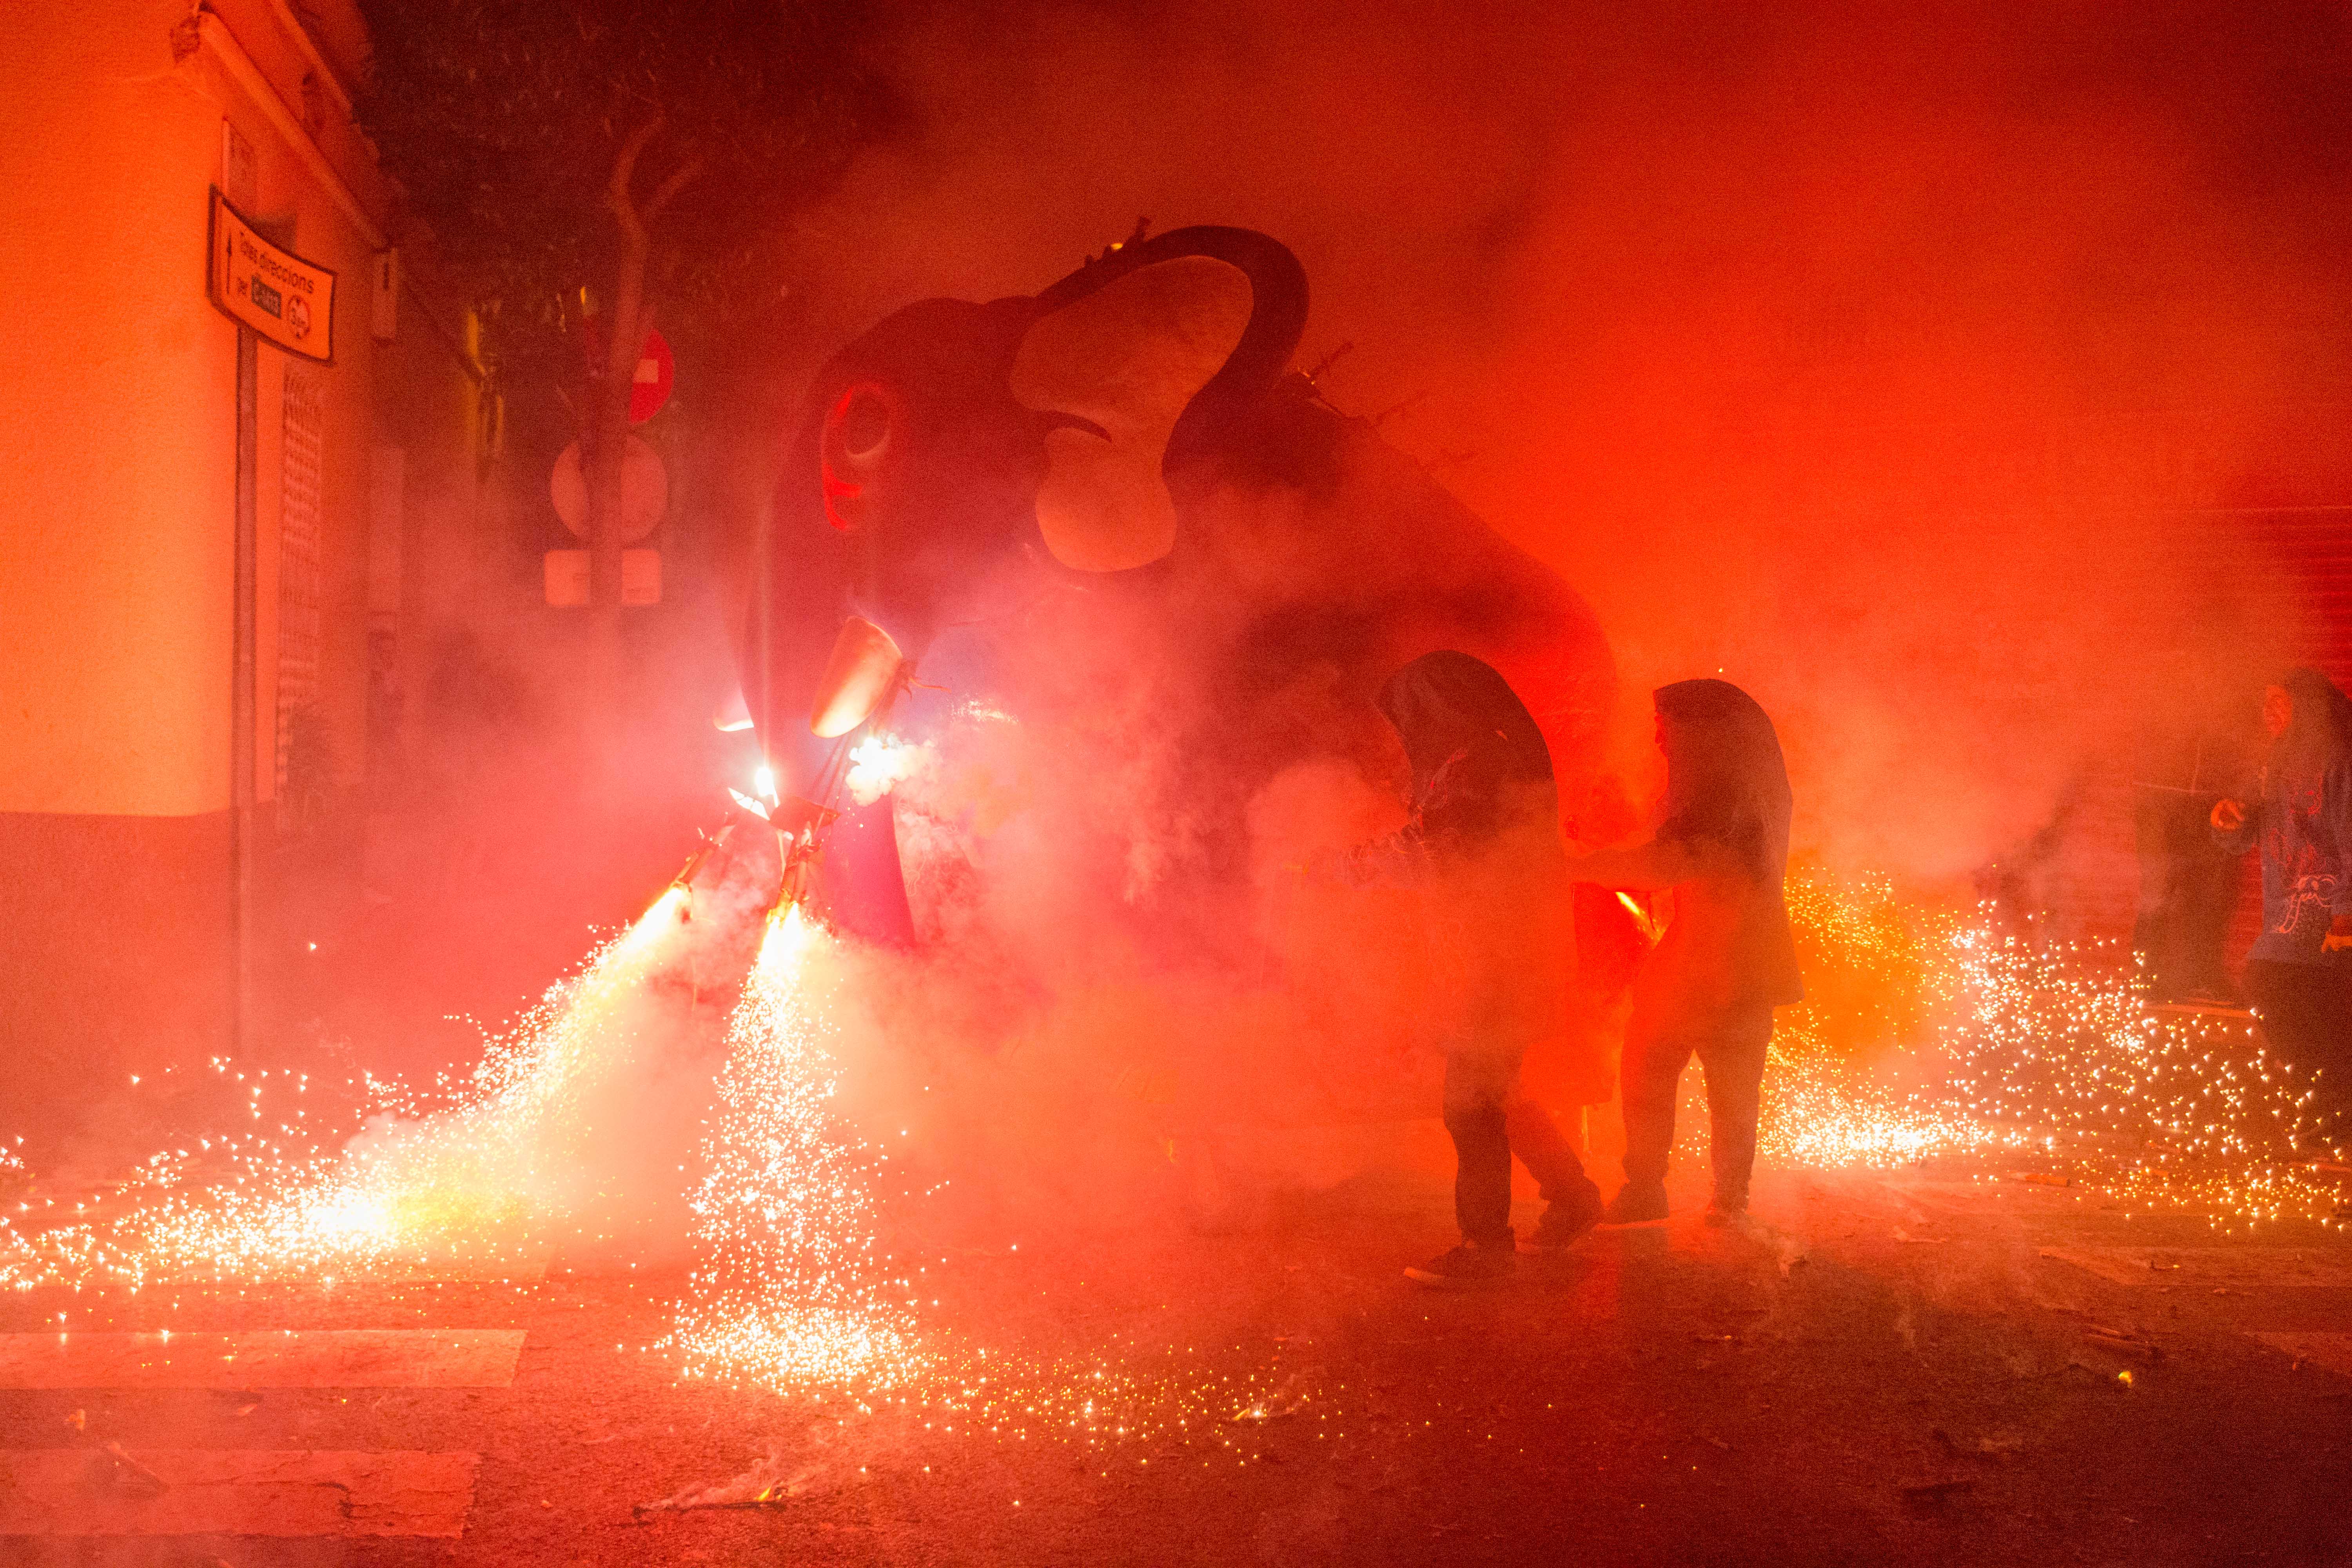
(2299, 815)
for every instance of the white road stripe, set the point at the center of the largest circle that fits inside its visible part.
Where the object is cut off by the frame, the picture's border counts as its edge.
(229, 1491)
(304, 1358)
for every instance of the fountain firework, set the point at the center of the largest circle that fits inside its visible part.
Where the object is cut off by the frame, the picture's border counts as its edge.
(470, 1179)
(783, 1292)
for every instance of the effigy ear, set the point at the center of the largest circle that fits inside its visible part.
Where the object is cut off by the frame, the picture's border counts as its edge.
(1112, 373)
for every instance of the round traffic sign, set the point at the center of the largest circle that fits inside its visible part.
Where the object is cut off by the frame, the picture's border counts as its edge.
(644, 490)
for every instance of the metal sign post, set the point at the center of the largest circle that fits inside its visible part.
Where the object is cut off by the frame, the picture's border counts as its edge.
(268, 291)
(241, 695)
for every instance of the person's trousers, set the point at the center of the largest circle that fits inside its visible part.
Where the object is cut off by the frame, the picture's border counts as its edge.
(1730, 1046)
(1490, 1122)
(2306, 1011)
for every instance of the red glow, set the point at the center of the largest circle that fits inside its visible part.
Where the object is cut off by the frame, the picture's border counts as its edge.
(857, 433)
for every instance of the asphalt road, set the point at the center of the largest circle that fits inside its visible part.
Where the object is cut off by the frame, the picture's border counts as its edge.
(1888, 1367)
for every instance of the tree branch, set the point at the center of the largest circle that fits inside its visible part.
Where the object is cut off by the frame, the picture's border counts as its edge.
(678, 180)
(625, 170)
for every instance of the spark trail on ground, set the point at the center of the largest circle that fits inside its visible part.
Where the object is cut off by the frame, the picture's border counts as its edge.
(784, 1291)
(1926, 1035)
(1877, 972)
(2163, 1107)
(470, 1176)
(791, 1292)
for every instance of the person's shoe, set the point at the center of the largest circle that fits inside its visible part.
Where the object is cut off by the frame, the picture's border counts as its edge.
(1637, 1202)
(1466, 1267)
(1564, 1223)
(1728, 1208)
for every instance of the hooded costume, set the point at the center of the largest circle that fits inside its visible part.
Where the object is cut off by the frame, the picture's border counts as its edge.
(1728, 957)
(2300, 818)
(1483, 841)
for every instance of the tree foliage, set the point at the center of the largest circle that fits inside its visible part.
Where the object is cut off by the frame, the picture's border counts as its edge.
(505, 119)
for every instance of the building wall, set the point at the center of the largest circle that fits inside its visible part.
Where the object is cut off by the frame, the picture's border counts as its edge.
(116, 507)
(2217, 599)
(121, 463)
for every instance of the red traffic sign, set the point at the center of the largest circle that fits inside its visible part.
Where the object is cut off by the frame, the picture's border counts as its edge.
(649, 388)
(649, 383)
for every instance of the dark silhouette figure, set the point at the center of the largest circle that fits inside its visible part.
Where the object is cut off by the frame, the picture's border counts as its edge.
(1484, 841)
(1728, 957)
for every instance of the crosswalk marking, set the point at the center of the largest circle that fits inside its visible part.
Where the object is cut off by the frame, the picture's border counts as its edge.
(231, 1491)
(2271, 1268)
(2332, 1351)
(516, 1267)
(304, 1358)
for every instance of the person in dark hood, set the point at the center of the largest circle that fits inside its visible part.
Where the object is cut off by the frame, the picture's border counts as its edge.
(1726, 958)
(1483, 842)
(2299, 971)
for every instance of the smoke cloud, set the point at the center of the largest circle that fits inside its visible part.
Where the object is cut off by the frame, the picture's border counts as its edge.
(1871, 361)
(1899, 368)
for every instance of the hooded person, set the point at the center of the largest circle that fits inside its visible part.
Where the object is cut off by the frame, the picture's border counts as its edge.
(2299, 969)
(1726, 958)
(1483, 843)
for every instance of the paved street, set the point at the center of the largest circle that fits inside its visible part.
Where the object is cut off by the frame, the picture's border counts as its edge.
(1918, 1366)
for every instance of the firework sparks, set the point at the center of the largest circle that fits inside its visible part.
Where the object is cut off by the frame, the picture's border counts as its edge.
(1876, 971)
(1926, 1036)
(292, 1195)
(2162, 1106)
(786, 1294)
(791, 1292)
(1923, 1036)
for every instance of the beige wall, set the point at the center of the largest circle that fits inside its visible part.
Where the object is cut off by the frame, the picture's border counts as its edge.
(117, 481)
(118, 949)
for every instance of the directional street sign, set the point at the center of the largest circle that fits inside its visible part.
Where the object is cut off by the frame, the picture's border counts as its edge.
(287, 300)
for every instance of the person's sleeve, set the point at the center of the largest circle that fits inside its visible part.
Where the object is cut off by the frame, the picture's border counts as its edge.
(1657, 864)
(2238, 840)
(2336, 814)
